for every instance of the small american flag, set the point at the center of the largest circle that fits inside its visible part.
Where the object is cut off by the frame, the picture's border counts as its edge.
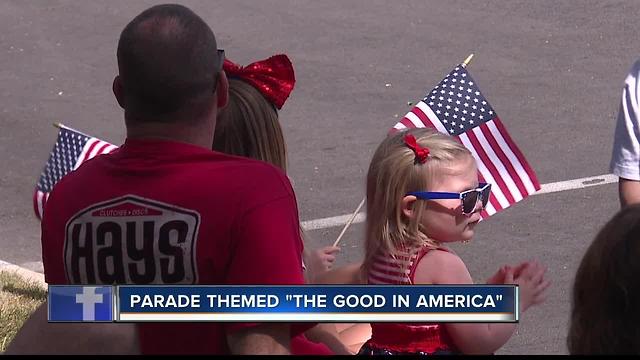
(71, 149)
(457, 107)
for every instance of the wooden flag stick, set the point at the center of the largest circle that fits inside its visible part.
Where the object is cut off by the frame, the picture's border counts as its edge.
(57, 125)
(467, 61)
(353, 216)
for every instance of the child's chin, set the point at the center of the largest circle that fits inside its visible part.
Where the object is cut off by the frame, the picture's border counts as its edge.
(468, 233)
(472, 224)
(471, 227)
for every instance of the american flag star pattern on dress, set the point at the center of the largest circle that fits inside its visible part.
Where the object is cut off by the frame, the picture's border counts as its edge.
(71, 149)
(458, 108)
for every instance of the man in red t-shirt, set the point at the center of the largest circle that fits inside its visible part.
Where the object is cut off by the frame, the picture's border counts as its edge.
(164, 208)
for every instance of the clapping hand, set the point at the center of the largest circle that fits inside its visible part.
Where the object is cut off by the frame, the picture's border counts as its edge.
(530, 278)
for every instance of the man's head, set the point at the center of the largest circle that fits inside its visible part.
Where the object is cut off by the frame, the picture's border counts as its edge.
(170, 68)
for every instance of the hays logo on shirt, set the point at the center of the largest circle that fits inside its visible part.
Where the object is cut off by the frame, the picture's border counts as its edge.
(80, 303)
(132, 240)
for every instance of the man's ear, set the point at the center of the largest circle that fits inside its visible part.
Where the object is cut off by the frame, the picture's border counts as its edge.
(222, 91)
(408, 204)
(118, 90)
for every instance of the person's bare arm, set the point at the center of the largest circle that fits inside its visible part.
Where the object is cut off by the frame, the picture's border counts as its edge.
(265, 339)
(354, 335)
(629, 191)
(39, 337)
(28, 335)
(347, 274)
(328, 334)
(479, 338)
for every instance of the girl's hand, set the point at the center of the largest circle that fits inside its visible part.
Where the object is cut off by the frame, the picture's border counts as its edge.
(499, 277)
(321, 260)
(531, 281)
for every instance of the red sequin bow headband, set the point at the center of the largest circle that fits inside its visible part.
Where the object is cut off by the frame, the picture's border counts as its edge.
(273, 77)
(421, 152)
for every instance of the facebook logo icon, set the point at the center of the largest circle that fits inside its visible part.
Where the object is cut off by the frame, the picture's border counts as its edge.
(80, 303)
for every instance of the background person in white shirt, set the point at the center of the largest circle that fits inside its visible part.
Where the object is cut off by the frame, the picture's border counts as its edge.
(625, 159)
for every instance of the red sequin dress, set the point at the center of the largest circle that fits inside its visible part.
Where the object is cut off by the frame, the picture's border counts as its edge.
(404, 338)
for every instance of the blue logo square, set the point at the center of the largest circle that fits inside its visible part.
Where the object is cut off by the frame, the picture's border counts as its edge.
(80, 303)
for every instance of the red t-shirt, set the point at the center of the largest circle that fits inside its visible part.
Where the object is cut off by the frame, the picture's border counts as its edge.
(164, 212)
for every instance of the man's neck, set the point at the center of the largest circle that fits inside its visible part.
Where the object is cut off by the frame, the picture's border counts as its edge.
(198, 133)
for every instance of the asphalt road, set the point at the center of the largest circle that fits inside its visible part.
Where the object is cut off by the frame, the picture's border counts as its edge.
(553, 71)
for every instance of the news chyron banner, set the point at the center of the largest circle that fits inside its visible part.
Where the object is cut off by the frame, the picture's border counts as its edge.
(303, 303)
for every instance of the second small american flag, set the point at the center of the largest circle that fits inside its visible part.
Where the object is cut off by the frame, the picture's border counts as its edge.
(71, 149)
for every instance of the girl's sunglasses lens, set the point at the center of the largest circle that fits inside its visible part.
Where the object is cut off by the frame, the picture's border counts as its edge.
(485, 196)
(469, 201)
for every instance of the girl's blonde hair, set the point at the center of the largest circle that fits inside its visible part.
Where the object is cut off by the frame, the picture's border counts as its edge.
(249, 127)
(393, 172)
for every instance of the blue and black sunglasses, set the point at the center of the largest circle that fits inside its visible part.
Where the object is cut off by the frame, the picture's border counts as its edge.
(469, 198)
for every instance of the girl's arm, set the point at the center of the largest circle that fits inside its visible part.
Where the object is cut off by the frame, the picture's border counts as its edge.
(440, 267)
(346, 274)
(328, 334)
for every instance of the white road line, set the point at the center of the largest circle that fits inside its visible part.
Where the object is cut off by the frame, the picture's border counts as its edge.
(577, 183)
(574, 184)
(331, 222)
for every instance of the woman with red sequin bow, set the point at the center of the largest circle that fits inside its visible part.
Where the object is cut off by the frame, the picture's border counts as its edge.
(249, 126)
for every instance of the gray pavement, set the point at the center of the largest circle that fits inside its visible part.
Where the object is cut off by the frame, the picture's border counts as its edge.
(553, 71)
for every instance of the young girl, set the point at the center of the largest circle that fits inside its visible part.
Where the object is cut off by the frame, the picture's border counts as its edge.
(423, 192)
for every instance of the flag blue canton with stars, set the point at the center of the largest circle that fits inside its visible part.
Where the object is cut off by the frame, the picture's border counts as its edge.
(458, 102)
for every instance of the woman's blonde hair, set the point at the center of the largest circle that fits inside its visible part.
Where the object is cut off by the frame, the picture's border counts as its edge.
(393, 172)
(249, 127)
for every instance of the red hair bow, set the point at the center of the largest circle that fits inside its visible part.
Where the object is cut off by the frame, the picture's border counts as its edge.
(421, 152)
(273, 77)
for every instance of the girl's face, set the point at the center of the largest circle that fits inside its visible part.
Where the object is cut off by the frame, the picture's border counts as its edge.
(442, 219)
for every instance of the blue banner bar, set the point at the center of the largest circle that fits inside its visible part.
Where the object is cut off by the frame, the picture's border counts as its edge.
(305, 303)
(363, 303)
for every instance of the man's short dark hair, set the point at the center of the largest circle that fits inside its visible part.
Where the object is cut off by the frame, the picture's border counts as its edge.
(166, 58)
